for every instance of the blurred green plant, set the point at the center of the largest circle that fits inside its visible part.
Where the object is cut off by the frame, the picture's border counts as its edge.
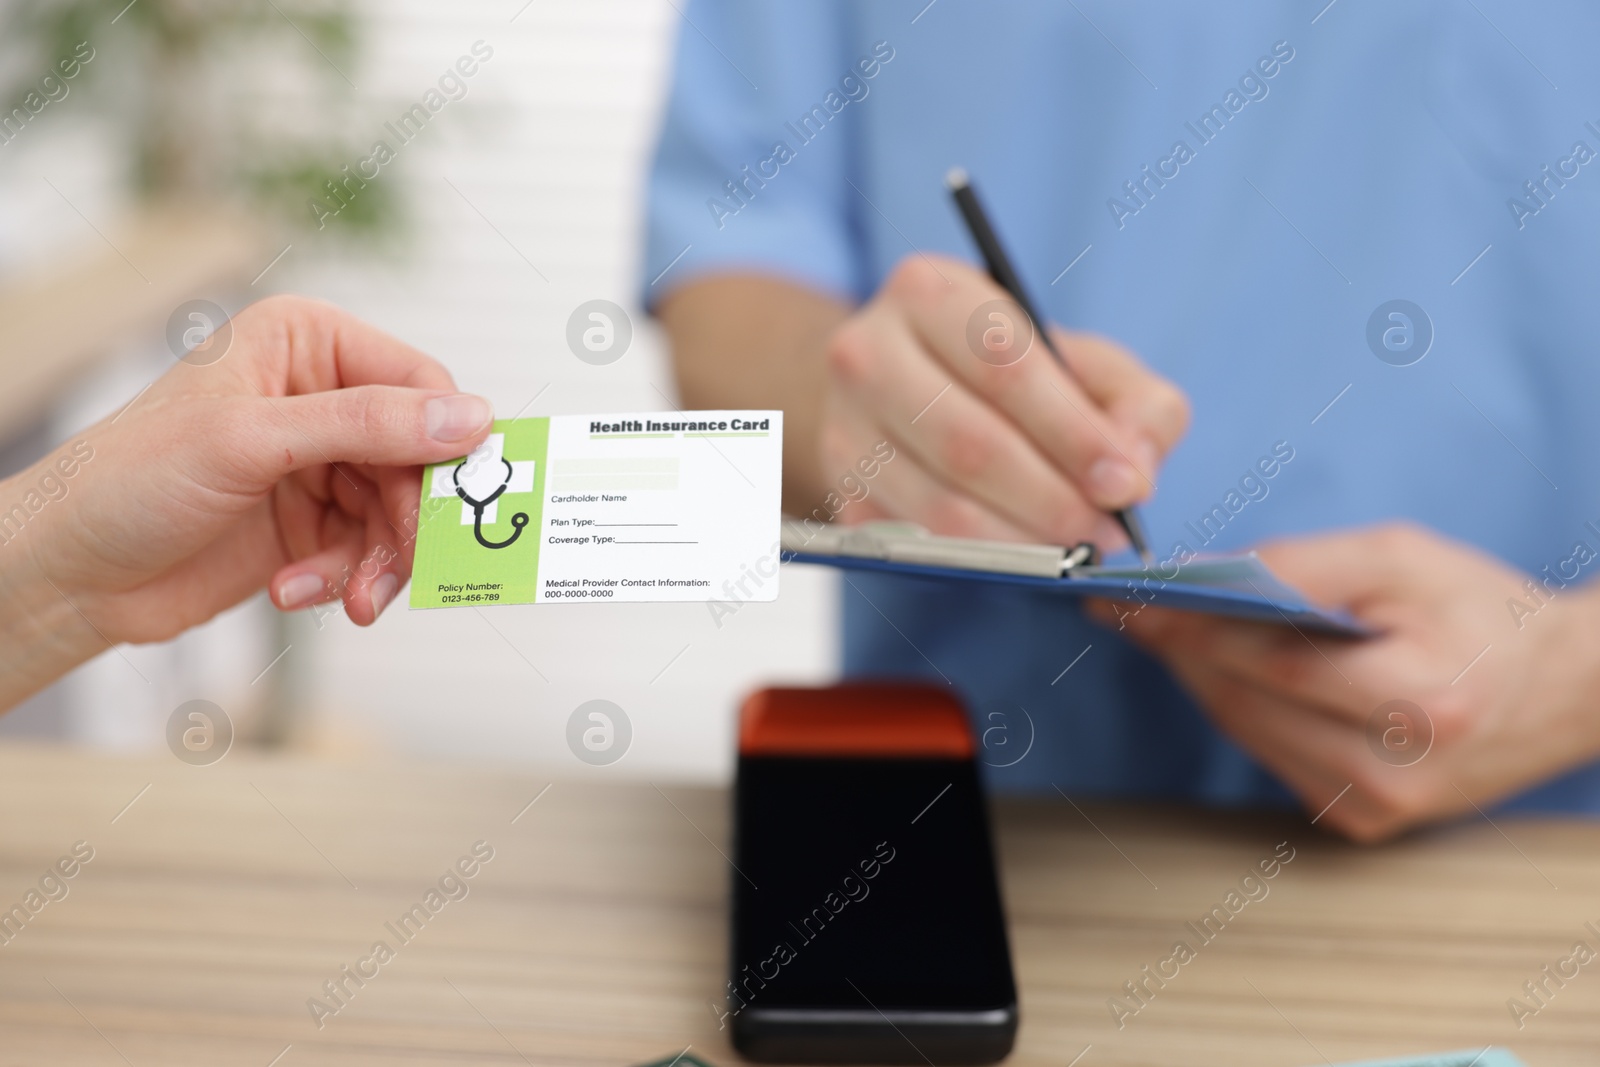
(248, 101)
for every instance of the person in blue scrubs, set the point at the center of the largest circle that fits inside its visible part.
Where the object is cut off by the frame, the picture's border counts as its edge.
(1326, 277)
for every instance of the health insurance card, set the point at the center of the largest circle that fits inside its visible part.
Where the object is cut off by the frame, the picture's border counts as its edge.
(584, 508)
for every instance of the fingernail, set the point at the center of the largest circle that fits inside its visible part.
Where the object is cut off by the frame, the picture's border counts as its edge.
(1112, 480)
(300, 591)
(454, 418)
(383, 591)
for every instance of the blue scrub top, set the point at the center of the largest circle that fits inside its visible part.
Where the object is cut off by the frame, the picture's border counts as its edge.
(1231, 190)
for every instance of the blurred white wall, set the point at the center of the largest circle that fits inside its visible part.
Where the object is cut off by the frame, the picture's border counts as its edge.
(526, 199)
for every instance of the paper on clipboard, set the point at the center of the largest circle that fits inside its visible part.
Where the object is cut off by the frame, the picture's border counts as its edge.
(1238, 586)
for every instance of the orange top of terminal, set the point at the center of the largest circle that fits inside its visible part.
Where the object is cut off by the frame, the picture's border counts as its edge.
(873, 719)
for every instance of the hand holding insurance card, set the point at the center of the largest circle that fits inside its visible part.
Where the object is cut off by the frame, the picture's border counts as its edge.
(648, 507)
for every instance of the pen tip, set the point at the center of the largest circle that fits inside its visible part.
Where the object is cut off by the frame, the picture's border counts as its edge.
(955, 178)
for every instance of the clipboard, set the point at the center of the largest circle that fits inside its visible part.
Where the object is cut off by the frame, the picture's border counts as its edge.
(1237, 586)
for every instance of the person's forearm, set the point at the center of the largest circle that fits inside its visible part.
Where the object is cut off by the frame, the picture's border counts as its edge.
(42, 635)
(753, 341)
(1567, 675)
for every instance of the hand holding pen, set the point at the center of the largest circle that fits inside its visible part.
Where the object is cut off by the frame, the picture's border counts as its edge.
(1001, 449)
(1005, 275)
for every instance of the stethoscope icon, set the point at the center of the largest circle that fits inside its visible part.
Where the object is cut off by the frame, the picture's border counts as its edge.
(519, 520)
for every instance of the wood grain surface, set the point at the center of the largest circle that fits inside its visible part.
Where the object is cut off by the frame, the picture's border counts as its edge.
(222, 898)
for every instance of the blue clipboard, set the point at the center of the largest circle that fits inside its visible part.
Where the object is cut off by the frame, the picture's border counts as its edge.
(1238, 586)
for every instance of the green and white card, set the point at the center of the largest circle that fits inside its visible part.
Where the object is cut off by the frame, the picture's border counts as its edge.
(632, 507)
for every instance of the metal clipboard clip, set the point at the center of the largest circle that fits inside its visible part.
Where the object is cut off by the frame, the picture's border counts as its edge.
(905, 542)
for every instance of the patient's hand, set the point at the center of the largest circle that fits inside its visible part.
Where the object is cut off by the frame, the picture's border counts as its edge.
(1007, 446)
(1506, 696)
(293, 462)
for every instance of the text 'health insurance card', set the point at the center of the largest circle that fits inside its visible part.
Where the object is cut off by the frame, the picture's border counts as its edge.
(584, 508)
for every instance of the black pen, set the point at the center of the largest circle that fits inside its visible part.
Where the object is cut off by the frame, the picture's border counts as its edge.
(1005, 276)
